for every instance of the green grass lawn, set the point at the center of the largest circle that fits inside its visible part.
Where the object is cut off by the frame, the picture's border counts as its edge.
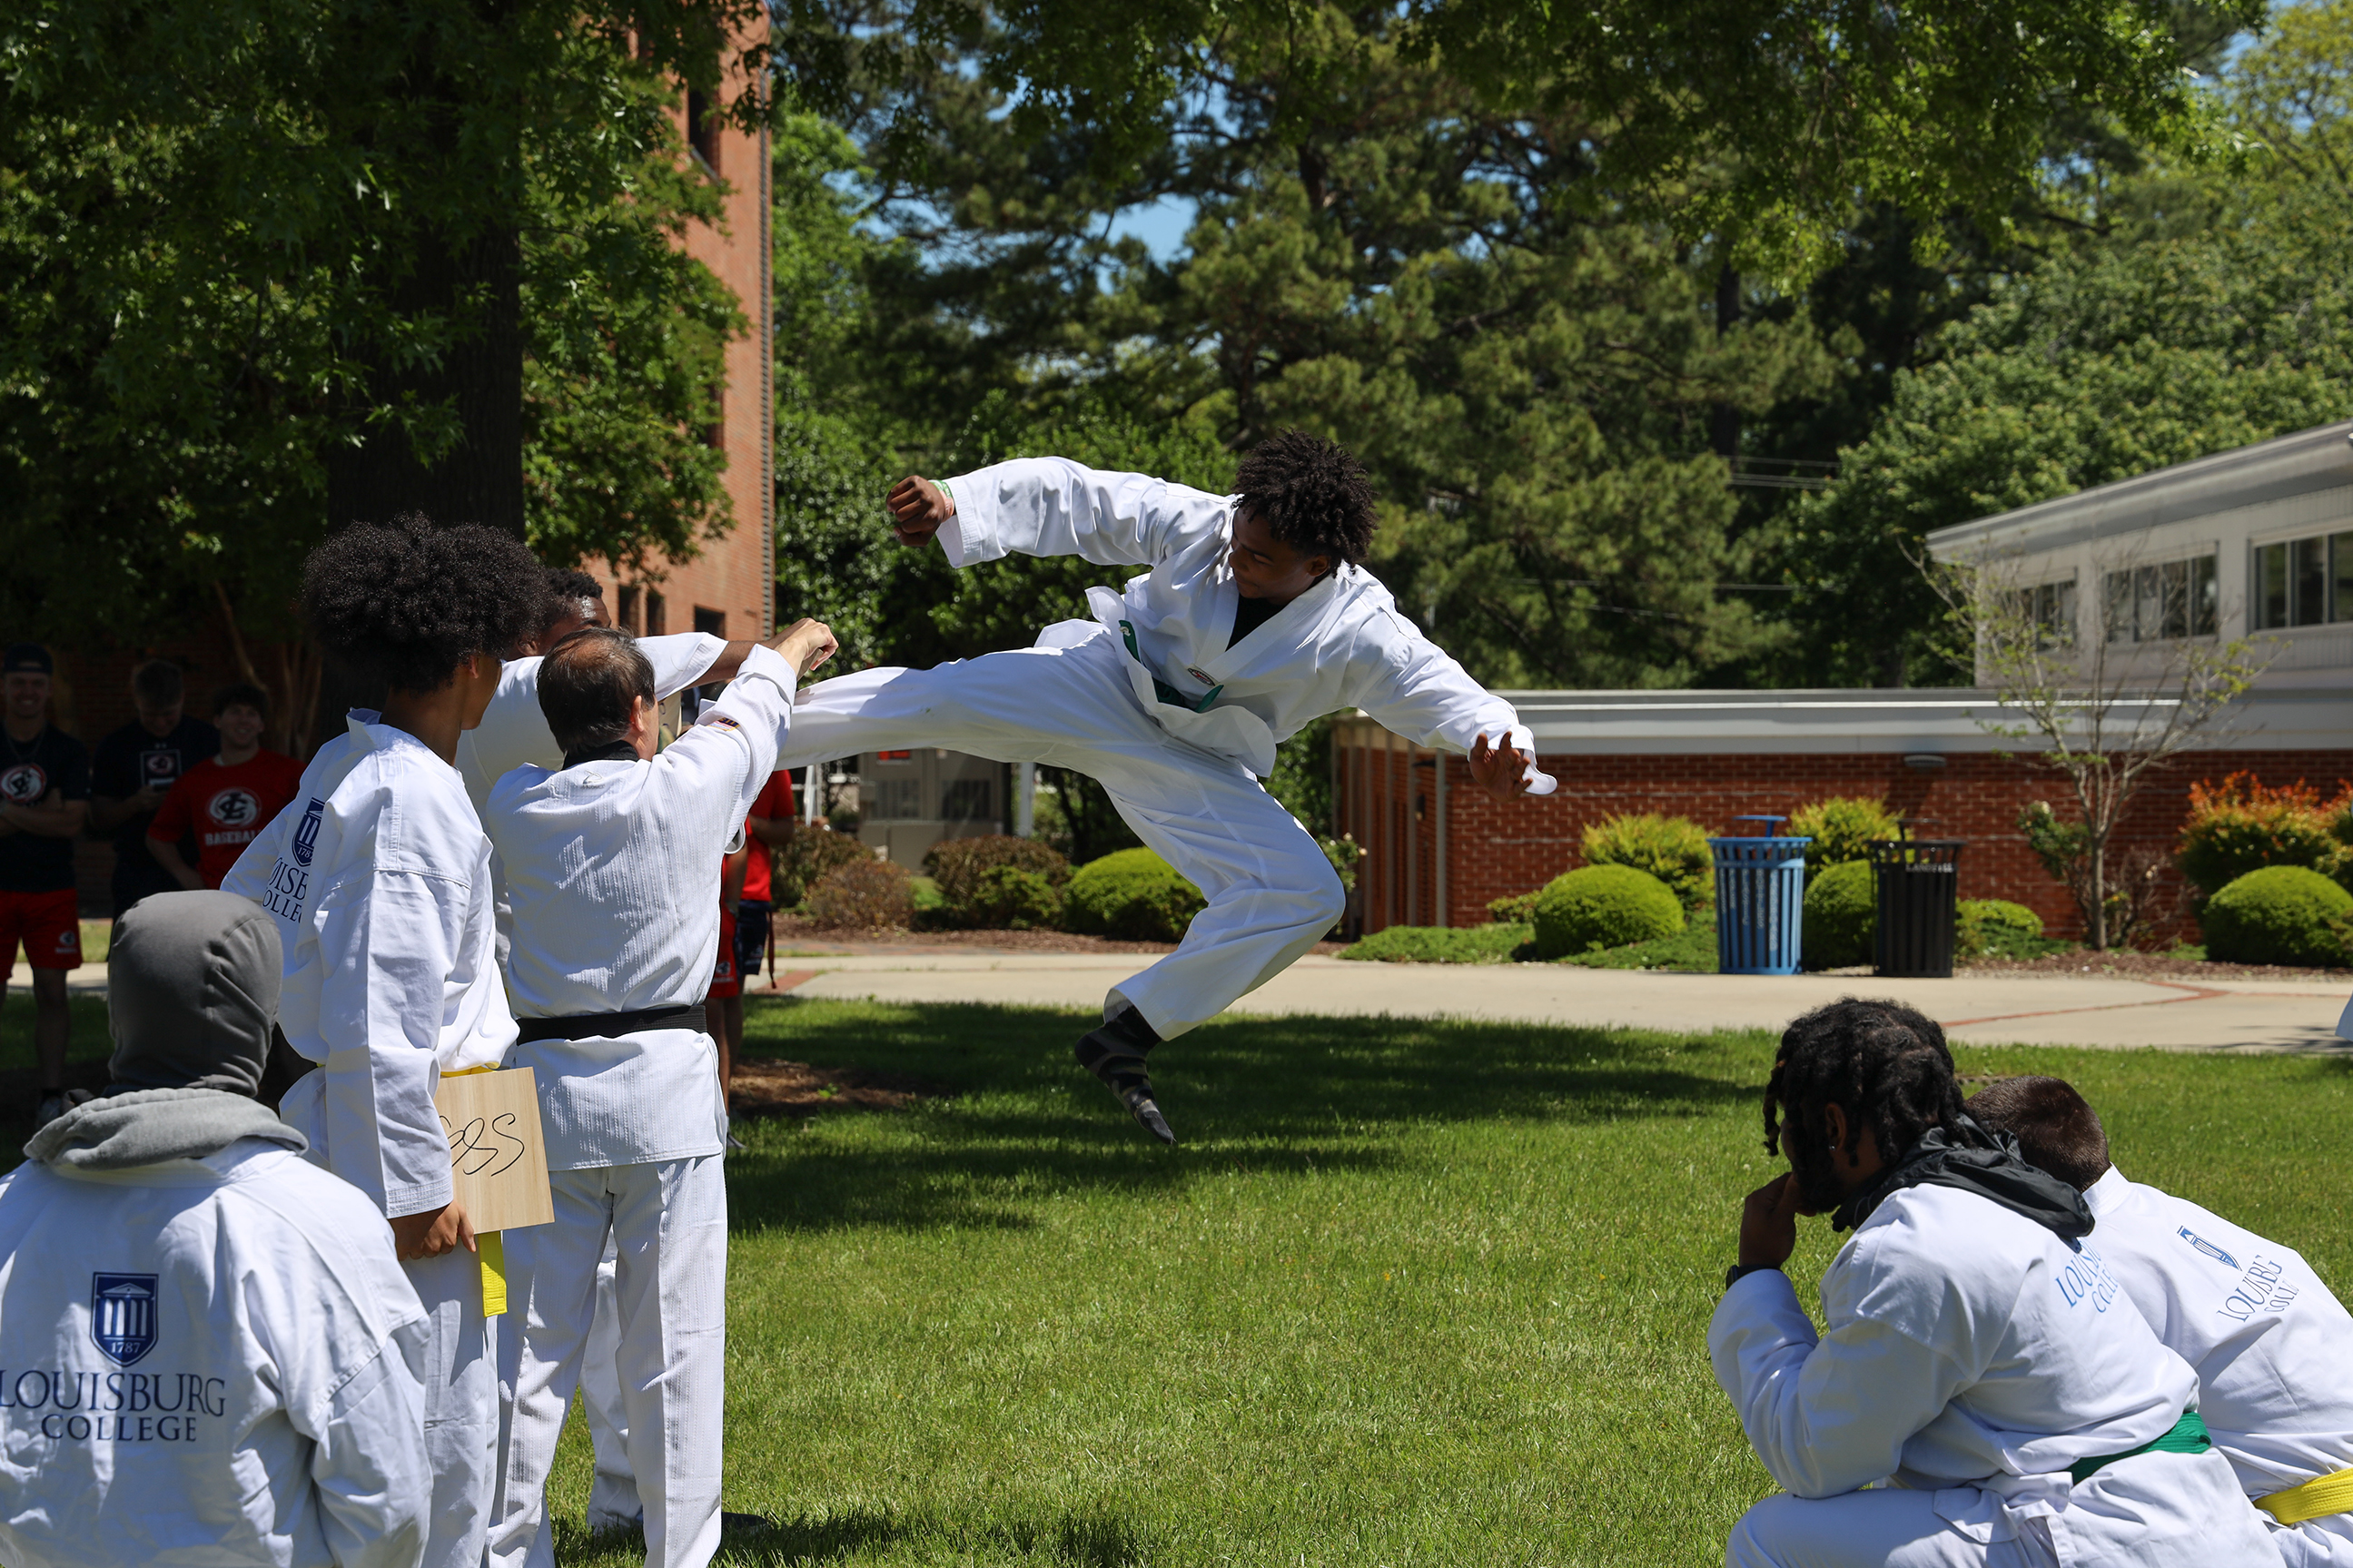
(1409, 1292)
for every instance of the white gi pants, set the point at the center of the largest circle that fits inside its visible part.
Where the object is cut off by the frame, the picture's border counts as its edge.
(461, 1407)
(668, 1226)
(1271, 893)
(613, 1497)
(1883, 1528)
(2325, 1543)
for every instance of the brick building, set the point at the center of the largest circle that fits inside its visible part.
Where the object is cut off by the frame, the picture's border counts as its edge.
(2255, 543)
(728, 588)
(1438, 847)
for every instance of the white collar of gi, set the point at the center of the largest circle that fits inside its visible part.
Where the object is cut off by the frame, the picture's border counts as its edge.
(2108, 1194)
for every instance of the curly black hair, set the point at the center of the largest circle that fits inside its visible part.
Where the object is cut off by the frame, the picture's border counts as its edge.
(1313, 495)
(402, 603)
(1885, 1064)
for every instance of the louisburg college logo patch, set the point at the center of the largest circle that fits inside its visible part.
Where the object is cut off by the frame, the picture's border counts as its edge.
(123, 1315)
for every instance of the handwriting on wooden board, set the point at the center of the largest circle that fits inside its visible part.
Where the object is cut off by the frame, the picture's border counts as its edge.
(497, 1157)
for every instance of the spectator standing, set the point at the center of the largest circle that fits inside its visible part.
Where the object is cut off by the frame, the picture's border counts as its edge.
(767, 829)
(226, 799)
(44, 801)
(135, 767)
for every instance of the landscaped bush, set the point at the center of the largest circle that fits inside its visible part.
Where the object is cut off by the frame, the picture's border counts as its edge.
(2280, 914)
(1996, 928)
(1672, 848)
(1841, 828)
(1438, 944)
(803, 861)
(1603, 905)
(1841, 916)
(863, 895)
(964, 869)
(1133, 895)
(1514, 909)
(2241, 825)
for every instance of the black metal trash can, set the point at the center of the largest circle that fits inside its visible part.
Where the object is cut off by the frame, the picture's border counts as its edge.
(1915, 879)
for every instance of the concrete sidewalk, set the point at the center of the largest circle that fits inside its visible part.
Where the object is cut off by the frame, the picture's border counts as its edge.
(1993, 1009)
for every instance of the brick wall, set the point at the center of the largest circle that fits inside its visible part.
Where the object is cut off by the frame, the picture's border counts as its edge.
(1389, 800)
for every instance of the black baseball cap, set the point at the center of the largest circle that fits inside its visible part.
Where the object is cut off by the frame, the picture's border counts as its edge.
(27, 655)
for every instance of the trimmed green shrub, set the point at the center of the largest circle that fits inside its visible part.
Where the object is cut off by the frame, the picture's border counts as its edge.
(962, 867)
(1672, 848)
(1439, 945)
(1840, 828)
(1841, 916)
(1012, 899)
(2241, 825)
(1132, 895)
(1603, 905)
(1996, 928)
(2281, 914)
(1691, 950)
(804, 861)
(863, 895)
(1514, 909)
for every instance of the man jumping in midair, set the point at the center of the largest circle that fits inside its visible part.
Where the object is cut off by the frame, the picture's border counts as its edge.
(1253, 617)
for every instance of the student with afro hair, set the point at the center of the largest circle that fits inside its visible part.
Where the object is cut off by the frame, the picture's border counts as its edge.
(1252, 618)
(1976, 1356)
(379, 875)
(2272, 1345)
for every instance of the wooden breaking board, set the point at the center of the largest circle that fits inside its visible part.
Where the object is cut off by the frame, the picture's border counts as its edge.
(495, 1149)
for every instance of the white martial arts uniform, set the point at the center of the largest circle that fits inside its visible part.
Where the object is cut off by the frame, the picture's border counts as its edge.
(379, 877)
(206, 1361)
(1177, 757)
(613, 868)
(1972, 1356)
(513, 733)
(2273, 1348)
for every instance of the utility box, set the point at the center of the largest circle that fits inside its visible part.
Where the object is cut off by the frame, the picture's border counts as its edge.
(909, 801)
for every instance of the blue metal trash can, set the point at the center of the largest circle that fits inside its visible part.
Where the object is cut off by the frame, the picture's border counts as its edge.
(1760, 899)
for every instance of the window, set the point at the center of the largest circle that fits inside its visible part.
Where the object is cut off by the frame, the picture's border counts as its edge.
(966, 800)
(2161, 603)
(2049, 608)
(2304, 582)
(702, 127)
(656, 615)
(711, 621)
(898, 800)
(630, 596)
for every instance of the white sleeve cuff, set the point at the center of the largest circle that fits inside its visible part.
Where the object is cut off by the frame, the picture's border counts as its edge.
(969, 536)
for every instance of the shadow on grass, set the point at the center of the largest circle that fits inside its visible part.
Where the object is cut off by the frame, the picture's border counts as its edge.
(1284, 1096)
(1090, 1539)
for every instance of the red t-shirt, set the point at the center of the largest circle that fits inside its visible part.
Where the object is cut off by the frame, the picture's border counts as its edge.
(775, 800)
(225, 807)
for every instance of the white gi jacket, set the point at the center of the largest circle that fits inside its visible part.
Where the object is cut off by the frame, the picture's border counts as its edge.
(1972, 1352)
(1341, 644)
(210, 1362)
(613, 871)
(380, 878)
(2271, 1346)
(514, 730)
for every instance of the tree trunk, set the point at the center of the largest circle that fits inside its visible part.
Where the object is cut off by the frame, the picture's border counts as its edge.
(2099, 910)
(479, 480)
(1724, 420)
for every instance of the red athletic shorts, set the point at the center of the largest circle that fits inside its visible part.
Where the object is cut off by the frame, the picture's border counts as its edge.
(725, 981)
(49, 924)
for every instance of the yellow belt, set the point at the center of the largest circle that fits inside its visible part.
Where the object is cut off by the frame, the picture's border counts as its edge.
(2318, 1497)
(488, 1248)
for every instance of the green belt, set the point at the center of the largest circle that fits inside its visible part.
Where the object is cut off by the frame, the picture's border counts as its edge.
(1160, 689)
(2188, 1436)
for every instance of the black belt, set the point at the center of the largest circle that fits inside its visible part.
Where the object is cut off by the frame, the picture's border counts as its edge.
(610, 1025)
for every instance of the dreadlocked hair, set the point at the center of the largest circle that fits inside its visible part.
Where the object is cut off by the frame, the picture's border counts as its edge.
(1313, 495)
(1883, 1063)
(403, 602)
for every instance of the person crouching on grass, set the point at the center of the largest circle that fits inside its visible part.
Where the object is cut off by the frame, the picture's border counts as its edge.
(1977, 1354)
(2272, 1345)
